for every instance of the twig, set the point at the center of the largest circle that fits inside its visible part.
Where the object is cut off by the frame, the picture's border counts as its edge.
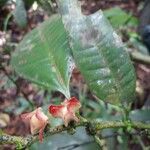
(136, 56)
(20, 142)
(98, 141)
(97, 126)
(142, 144)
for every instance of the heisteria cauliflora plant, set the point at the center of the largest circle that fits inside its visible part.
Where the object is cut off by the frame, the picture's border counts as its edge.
(47, 56)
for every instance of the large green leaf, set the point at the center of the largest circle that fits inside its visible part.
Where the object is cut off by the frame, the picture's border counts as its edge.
(43, 56)
(99, 53)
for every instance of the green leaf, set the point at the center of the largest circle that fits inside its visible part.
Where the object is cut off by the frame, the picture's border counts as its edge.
(79, 141)
(20, 14)
(116, 16)
(140, 115)
(119, 17)
(99, 54)
(43, 56)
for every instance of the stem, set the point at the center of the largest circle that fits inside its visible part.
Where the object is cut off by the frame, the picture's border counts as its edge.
(136, 56)
(96, 126)
(121, 124)
(20, 142)
(7, 20)
(141, 143)
(98, 141)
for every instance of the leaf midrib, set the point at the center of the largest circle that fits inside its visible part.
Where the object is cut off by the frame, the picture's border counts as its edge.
(45, 41)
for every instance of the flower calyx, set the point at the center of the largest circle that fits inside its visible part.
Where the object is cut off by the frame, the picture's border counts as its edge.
(37, 120)
(66, 111)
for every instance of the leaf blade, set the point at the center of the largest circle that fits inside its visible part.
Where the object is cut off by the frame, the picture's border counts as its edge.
(44, 57)
(140, 115)
(99, 54)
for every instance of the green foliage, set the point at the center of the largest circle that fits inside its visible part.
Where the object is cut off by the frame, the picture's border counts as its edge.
(43, 56)
(78, 141)
(119, 17)
(20, 14)
(99, 54)
(140, 115)
(2, 2)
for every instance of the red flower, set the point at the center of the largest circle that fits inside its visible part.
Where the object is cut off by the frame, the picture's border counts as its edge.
(66, 110)
(38, 121)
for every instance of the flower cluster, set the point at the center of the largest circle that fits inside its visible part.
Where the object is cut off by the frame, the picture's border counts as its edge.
(66, 111)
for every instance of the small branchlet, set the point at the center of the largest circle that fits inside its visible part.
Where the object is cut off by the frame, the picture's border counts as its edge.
(91, 127)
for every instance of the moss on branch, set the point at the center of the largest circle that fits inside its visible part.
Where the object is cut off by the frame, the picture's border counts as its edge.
(22, 142)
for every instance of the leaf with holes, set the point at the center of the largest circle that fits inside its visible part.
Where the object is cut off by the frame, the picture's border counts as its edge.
(43, 56)
(99, 54)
